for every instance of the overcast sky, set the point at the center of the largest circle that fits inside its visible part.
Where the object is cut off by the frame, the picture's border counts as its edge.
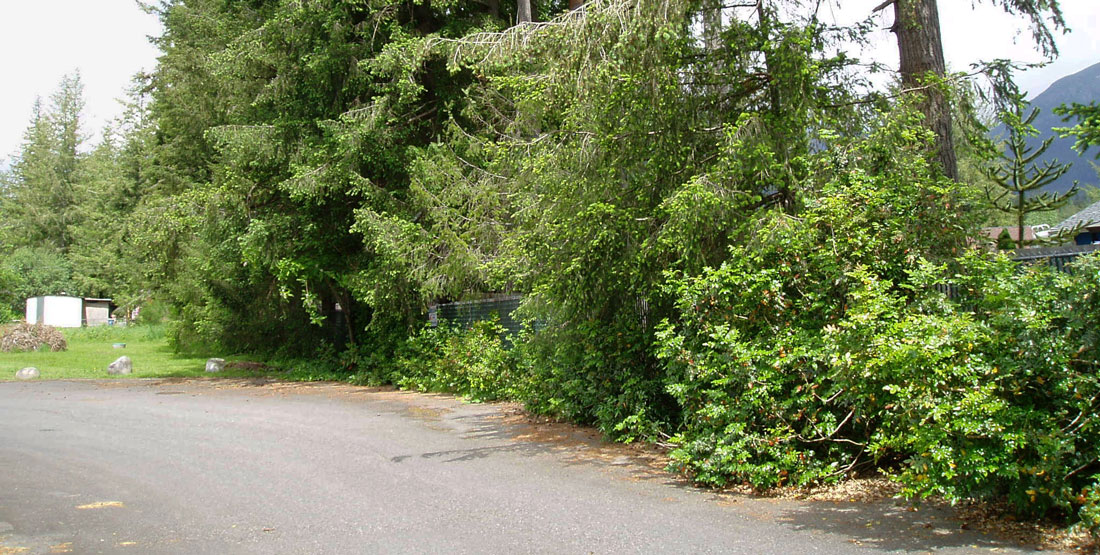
(42, 40)
(984, 32)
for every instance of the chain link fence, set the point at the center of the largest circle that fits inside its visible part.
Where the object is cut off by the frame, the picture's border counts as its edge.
(465, 313)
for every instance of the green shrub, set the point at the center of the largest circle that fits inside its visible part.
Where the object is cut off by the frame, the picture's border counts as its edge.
(968, 392)
(29, 272)
(9, 298)
(1034, 406)
(595, 373)
(154, 312)
(990, 395)
(472, 362)
(750, 356)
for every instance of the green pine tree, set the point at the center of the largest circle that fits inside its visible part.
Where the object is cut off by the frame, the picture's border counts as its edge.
(1017, 179)
(40, 205)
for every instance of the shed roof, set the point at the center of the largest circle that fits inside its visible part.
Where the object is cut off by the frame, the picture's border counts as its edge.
(1090, 216)
(1013, 232)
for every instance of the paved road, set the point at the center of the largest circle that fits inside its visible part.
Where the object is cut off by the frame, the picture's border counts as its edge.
(255, 467)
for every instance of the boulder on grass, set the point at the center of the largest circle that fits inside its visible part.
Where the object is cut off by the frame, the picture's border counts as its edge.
(29, 373)
(215, 364)
(121, 366)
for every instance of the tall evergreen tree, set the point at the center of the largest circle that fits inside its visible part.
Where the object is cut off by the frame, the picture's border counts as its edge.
(41, 204)
(33, 172)
(67, 107)
(276, 124)
(1018, 179)
(921, 61)
(920, 49)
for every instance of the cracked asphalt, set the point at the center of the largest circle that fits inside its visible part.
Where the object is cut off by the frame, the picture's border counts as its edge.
(239, 466)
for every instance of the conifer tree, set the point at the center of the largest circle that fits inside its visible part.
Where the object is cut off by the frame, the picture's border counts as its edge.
(40, 206)
(920, 51)
(1018, 180)
(27, 218)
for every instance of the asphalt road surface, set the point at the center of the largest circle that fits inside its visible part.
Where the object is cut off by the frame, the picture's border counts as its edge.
(156, 466)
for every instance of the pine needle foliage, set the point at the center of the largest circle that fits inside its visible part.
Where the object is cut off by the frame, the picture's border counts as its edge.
(1087, 130)
(1018, 180)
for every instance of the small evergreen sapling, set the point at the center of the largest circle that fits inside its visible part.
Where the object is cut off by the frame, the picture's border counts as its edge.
(1019, 180)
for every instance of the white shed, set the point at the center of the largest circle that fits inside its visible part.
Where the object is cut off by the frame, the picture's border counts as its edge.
(63, 311)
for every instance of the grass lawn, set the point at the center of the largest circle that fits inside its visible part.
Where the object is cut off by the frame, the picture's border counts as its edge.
(92, 349)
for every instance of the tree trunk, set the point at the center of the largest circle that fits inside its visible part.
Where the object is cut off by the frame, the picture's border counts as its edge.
(1020, 221)
(523, 12)
(766, 15)
(574, 4)
(917, 25)
(712, 25)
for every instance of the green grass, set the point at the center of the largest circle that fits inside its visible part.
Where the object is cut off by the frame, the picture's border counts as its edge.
(92, 349)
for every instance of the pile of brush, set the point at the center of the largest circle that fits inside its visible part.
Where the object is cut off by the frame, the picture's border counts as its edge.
(31, 337)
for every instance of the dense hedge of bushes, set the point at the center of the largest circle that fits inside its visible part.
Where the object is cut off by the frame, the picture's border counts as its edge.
(598, 374)
(825, 346)
(991, 394)
(472, 362)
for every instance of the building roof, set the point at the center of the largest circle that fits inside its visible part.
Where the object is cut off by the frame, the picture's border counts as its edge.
(1090, 216)
(68, 296)
(1013, 232)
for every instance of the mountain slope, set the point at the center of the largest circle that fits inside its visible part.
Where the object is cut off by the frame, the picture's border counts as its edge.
(1082, 87)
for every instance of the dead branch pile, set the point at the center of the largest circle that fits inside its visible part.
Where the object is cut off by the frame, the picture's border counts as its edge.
(31, 337)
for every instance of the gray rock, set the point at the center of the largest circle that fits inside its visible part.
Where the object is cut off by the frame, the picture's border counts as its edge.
(121, 366)
(27, 373)
(215, 365)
